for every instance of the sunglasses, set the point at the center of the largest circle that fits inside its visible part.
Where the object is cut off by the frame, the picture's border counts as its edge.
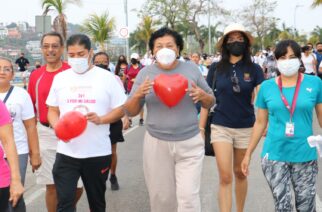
(235, 81)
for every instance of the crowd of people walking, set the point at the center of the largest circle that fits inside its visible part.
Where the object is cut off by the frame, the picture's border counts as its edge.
(280, 84)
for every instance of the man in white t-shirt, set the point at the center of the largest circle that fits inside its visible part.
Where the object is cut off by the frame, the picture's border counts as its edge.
(87, 156)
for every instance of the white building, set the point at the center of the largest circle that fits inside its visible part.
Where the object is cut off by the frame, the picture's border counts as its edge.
(34, 48)
(3, 31)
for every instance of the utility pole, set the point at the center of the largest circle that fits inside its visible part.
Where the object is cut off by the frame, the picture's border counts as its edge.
(127, 25)
(295, 9)
(209, 31)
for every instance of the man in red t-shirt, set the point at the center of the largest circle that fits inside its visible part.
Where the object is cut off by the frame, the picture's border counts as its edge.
(52, 46)
(130, 74)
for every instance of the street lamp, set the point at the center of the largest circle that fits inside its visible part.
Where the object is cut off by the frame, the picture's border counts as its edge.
(209, 31)
(127, 25)
(295, 9)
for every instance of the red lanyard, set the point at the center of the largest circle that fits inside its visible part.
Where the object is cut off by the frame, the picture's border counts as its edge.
(297, 88)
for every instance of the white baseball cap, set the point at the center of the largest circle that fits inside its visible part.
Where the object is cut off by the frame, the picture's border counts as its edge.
(135, 56)
(235, 27)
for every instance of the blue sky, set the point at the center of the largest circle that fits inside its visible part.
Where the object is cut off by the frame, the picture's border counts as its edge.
(25, 10)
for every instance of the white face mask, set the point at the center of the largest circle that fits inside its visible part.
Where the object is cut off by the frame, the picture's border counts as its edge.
(288, 67)
(166, 56)
(79, 65)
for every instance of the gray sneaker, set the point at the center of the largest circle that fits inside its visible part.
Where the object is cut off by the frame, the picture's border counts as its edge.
(114, 184)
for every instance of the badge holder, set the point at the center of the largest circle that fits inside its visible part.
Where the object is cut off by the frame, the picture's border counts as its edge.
(289, 129)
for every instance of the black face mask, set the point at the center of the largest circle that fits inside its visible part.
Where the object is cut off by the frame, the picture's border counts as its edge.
(319, 50)
(134, 61)
(236, 48)
(38, 66)
(103, 66)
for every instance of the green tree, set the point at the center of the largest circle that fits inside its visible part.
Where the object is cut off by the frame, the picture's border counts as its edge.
(286, 33)
(99, 27)
(316, 3)
(167, 11)
(272, 37)
(215, 33)
(60, 22)
(258, 18)
(317, 32)
(135, 42)
(145, 29)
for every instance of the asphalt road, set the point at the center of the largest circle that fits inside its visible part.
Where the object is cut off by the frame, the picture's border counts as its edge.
(133, 197)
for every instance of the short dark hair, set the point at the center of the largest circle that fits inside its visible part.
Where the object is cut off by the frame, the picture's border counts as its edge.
(56, 34)
(305, 48)
(318, 43)
(100, 53)
(166, 31)
(281, 48)
(79, 39)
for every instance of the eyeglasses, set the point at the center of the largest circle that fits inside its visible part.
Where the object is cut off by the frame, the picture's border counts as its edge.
(53, 46)
(6, 69)
(235, 81)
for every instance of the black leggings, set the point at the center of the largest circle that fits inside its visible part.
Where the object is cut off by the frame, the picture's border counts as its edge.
(4, 198)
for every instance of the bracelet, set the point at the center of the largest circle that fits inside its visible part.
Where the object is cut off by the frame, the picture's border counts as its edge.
(201, 129)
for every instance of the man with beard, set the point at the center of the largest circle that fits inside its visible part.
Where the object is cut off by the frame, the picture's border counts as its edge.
(40, 82)
(22, 66)
(318, 55)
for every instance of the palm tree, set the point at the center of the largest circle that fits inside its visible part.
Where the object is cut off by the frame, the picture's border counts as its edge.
(60, 22)
(316, 3)
(99, 27)
(317, 32)
(146, 28)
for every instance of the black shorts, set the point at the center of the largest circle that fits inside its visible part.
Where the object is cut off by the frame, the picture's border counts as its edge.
(116, 134)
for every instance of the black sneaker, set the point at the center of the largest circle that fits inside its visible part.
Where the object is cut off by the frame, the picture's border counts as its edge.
(141, 122)
(114, 184)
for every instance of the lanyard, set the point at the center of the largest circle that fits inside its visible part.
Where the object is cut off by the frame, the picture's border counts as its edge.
(297, 88)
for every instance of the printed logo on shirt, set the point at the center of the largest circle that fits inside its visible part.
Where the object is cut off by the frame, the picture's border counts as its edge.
(247, 77)
(309, 89)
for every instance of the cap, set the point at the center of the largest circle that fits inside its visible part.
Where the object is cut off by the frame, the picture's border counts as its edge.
(135, 56)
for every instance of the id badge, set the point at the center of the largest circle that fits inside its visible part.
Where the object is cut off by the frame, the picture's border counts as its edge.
(289, 129)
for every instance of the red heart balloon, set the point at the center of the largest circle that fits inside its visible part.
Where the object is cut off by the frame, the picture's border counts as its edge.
(70, 125)
(170, 88)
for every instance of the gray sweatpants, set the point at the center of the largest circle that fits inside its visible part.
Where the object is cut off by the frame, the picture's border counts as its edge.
(172, 172)
(280, 176)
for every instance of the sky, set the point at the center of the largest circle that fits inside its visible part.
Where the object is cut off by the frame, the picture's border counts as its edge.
(25, 10)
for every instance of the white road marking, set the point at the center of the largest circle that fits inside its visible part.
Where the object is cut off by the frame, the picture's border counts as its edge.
(130, 130)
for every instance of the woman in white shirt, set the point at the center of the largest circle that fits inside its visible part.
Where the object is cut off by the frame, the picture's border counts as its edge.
(19, 104)
(308, 60)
